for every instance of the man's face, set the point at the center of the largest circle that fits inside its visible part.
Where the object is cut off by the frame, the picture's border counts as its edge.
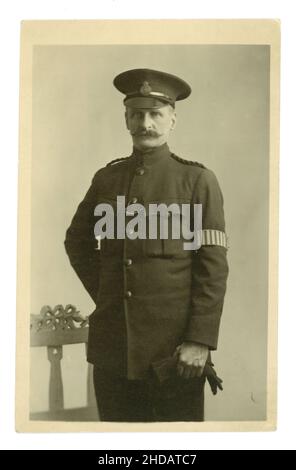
(150, 127)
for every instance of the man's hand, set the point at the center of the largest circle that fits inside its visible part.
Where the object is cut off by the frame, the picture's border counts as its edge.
(191, 359)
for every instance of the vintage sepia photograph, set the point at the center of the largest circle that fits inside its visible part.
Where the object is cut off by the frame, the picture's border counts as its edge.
(148, 222)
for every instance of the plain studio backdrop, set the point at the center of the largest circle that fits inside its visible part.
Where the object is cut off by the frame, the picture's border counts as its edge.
(78, 126)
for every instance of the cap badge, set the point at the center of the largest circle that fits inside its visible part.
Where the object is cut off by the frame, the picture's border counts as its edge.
(145, 89)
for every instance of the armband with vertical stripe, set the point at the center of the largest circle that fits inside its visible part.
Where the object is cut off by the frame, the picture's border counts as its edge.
(213, 237)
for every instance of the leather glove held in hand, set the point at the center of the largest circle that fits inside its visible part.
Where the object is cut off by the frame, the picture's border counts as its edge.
(166, 369)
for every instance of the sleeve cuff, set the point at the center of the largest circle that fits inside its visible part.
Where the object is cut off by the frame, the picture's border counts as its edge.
(204, 329)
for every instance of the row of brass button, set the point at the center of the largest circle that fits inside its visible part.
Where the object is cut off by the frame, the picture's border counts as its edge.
(134, 200)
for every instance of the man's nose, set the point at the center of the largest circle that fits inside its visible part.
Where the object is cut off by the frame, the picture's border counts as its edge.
(146, 121)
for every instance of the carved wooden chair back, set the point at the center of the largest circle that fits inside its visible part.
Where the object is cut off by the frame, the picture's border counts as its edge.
(54, 328)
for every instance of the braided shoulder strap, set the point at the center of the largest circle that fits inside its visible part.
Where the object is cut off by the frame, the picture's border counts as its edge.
(186, 162)
(117, 160)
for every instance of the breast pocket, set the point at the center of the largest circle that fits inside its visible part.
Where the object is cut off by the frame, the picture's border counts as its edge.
(106, 227)
(166, 232)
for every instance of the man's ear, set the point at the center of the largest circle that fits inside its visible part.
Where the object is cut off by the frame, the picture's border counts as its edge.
(174, 120)
(126, 119)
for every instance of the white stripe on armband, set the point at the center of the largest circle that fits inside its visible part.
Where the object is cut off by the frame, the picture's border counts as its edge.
(214, 237)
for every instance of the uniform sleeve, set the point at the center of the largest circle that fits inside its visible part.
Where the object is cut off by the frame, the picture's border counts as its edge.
(81, 244)
(210, 267)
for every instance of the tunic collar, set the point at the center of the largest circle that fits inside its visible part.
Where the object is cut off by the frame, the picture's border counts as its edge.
(152, 157)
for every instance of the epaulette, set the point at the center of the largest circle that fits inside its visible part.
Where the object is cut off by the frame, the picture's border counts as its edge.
(186, 162)
(117, 160)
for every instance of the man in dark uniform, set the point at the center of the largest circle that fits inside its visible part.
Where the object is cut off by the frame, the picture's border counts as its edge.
(158, 306)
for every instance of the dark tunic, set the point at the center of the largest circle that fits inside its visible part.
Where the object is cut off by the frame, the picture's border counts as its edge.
(150, 294)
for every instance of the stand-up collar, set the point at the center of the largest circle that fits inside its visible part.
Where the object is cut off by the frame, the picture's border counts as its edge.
(154, 156)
